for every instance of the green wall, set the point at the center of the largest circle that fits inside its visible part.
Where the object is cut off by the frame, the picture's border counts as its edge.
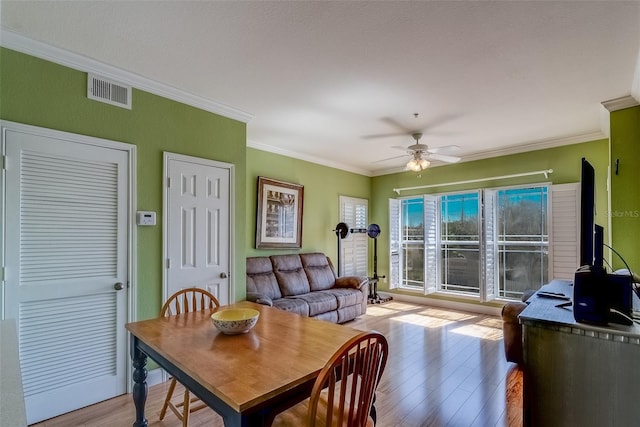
(565, 162)
(625, 197)
(41, 93)
(322, 187)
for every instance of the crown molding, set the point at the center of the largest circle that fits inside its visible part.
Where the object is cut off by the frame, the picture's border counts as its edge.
(516, 149)
(513, 149)
(307, 158)
(20, 43)
(536, 145)
(620, 103)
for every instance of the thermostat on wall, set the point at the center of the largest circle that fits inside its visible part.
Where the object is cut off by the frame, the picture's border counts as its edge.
(146, 218)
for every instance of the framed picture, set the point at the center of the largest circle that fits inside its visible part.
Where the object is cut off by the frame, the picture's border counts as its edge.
(279, 218)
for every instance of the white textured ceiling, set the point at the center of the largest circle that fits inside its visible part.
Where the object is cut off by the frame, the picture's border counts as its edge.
(322, 78)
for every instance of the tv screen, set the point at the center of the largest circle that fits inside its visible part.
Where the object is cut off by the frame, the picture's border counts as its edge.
(587, 213)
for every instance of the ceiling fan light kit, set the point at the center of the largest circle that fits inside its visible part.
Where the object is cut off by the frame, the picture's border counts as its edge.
(421, 154)
(417, 163)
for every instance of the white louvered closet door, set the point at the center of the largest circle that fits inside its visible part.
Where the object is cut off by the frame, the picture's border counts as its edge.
(66, 249)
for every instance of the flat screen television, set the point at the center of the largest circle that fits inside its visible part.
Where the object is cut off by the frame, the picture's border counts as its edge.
(591, 234)
(587, 213)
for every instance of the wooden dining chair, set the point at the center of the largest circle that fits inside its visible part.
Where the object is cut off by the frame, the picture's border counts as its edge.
(344, 391)
(185, 301)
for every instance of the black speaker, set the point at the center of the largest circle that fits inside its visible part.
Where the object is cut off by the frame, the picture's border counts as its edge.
(620, 298)
(601, 298)
(590, 301)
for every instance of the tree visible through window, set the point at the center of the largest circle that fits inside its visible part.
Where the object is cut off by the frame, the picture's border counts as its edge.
(413, 243)
(522, 239)
(460, 242)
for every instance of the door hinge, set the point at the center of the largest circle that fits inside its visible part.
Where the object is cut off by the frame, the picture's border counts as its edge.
(1, 274)
(168, 182)
(4, 162)
(168, 262)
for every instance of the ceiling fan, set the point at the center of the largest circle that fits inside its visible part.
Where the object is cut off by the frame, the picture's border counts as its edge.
(421, 154)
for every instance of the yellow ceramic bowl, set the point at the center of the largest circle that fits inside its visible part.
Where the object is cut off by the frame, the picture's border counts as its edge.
(235, 320)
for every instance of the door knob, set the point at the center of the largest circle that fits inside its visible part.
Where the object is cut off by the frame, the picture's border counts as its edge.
(118, 286)
(223, 275)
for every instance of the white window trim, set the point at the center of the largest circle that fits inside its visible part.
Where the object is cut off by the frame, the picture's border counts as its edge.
(562, 207)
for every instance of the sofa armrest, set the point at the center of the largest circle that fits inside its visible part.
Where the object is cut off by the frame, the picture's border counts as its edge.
(355, 282)
(511, 311)
(259, 298)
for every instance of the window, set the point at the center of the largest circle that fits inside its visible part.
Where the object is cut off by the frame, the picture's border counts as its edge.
(460, 243)
(413, 243)
(355, 247)
(492, 243)
(522, 239)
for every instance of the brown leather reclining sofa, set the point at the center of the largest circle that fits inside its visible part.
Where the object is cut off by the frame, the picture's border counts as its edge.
(306, 284)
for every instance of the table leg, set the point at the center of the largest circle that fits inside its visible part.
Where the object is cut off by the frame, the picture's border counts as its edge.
(139, 383)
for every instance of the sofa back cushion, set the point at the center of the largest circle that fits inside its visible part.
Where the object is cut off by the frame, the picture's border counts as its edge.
(319, 271)
(261, 279)
(290, 274)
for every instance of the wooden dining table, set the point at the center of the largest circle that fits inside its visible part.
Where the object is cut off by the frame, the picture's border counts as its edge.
(246, 378)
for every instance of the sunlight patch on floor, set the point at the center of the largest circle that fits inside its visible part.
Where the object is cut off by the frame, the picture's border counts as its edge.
(448, 315)
(479, 331)
(491, 322)
(378, 311)
(399, 306)
(422, 320)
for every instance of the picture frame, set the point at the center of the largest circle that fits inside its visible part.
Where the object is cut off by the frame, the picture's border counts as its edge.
(279, 214)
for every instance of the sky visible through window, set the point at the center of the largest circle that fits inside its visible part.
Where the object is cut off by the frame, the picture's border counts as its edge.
(467, 203)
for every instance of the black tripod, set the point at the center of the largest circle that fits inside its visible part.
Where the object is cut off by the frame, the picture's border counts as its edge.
(373, 231)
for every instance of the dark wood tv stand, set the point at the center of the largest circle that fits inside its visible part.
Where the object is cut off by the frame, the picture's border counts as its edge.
(577, 374)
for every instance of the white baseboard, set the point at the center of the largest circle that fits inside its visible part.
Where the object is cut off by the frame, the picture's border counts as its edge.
(442, 303)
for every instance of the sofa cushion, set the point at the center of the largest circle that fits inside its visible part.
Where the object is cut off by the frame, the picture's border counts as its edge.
(349, 313)
(319, 271)
(329, 316)
(261, 278)
(293, 305)
(319, 302)
(290, 275)
(345, 296)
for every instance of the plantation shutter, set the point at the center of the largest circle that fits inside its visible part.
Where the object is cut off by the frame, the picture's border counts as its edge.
(564, 242)
(394, 243)
(355, 247)
(489, 276)
(431, 244)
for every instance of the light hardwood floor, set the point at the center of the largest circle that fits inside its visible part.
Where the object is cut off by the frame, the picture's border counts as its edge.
(445, 368)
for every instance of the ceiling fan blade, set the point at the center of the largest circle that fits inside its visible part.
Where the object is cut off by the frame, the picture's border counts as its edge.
(443, 158)
(444, 149)
(396, 124)
(382, 135)
(438, 121)
(389, 158)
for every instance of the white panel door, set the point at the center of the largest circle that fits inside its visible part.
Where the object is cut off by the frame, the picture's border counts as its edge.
(66, 255)
(198, 225)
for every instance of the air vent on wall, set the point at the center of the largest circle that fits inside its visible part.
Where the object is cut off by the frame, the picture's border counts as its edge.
(105, 90)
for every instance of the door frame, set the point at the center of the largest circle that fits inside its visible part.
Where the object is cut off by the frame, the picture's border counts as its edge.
(132, 257)
(168, 156)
